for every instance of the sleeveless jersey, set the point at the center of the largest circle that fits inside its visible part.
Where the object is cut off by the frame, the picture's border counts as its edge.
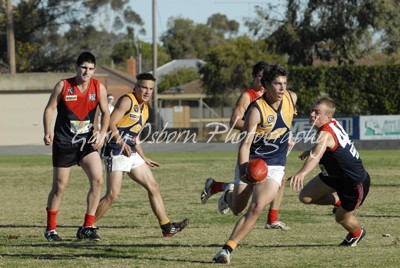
(272, 134)
(130, 125)
(253, 94)
(76, 111)
(343, 159)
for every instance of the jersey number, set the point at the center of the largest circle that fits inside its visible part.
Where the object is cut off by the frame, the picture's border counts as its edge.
(343, 139)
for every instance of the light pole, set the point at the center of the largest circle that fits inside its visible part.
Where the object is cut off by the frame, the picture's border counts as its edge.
(10, 38)
(155, 97)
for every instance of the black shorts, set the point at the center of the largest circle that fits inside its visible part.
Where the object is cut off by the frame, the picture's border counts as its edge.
(351, 194)
(68, 154)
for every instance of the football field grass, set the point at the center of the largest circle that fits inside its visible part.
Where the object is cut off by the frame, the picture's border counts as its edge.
(131, 236)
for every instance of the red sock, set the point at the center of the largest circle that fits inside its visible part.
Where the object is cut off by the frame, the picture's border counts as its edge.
(356, 233)
(89, 220)
(51, 219)
(273, 215)
(217, 187)
(337, 204)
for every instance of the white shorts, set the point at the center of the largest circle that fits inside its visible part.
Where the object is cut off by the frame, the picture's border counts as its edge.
(123, 163)
(274, 173)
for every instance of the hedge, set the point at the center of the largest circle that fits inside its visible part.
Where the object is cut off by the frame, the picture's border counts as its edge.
(357, 90)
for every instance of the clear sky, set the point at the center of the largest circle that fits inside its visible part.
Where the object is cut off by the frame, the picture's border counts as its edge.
(197, 10)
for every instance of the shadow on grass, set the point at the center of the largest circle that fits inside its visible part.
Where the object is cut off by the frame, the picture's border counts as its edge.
(102, 256)
(110, 247)
(111, 253)
(63, 226)
(367, 216)
(378, 216)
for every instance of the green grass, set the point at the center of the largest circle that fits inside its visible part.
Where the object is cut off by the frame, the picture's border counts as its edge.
(131, 236)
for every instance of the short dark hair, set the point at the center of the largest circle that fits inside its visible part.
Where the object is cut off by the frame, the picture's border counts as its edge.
(145, 76)
(86, 57)
(271, 72)
(259, 66)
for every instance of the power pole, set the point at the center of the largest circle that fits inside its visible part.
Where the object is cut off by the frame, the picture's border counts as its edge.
(155, 93)
(10, 38)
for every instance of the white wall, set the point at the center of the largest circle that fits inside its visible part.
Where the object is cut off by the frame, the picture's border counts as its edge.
(21, 118)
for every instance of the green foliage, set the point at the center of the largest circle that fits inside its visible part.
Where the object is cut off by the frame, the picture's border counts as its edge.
(357, 90)
(306, 82)
(181, 76)
(185, 39)
(338, 31)
(229, 65)
(49, 38)
(147, 56)
(222, 24)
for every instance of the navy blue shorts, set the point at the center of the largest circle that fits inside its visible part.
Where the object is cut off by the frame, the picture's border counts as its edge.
(351, 194)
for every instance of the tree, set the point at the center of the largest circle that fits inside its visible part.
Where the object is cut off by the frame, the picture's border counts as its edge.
(184, 39)
(222, 24)
(229, 65)
(328, 30)
(49, 34)
(181, 76)
(389, 22)
(147, 56)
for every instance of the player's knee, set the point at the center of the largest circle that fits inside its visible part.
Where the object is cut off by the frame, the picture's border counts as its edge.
(237, 211)
(305, 199)
(97, 181)
(153, 187)
(112, 196)
(256, 209)
(339, 219)
(59, 188)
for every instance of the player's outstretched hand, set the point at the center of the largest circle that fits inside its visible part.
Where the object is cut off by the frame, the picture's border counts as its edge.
(151, 163)
(296, 182)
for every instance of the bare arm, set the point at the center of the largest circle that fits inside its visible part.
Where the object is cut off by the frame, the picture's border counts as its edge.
(123, 106)
(291, 141)
(250, 126)
(294, 98)
(49, 110)
(241, 106)
(312, 158)
(105, 118)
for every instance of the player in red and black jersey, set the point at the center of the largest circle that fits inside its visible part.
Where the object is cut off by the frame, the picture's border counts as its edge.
(343, 177)
(76, 100)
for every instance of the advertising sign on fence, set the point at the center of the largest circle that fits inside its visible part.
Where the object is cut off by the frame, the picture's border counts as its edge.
(380, 127)
(301, 125)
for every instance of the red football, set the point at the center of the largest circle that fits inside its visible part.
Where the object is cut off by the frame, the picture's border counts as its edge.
(256, 170)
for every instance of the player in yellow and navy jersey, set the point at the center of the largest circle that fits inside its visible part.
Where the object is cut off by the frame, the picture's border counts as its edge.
(267, 133)
(124, 153)
(232, 192)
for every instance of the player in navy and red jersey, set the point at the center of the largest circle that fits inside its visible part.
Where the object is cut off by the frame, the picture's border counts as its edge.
(212, 186)
(343, 176)
(76, 100)
(267, 130)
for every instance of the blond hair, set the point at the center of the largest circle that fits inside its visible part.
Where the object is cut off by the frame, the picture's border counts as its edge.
(329, 103)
